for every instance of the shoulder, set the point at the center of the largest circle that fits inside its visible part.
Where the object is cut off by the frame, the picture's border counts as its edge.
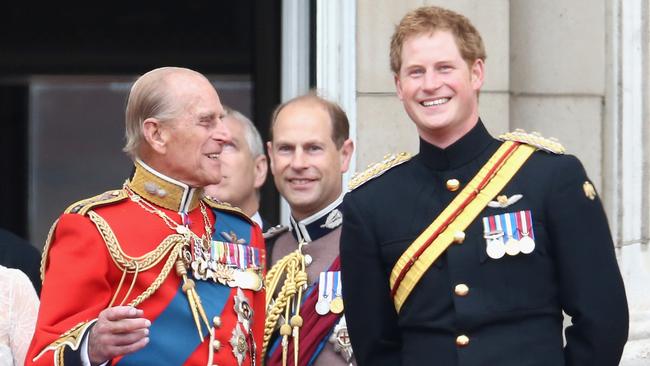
(390, 162)
(83, 206)
(549, 145)
(227, 210)
(275, 231)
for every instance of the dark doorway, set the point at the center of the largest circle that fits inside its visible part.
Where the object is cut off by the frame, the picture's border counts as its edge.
(47, 47)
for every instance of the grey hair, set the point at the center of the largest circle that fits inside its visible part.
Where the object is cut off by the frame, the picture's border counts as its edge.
(252, 135)
(149, 97)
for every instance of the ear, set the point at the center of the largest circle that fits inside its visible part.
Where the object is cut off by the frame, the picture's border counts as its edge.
(269, 151)
(477, 74)
(398, 86)
(346, 154)
(155, 135)
(261, 169)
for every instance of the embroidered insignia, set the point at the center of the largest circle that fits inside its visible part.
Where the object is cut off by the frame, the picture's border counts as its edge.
(340, 339)
(334, 220)
(590, 191)
(504, 201)
(239, 345)
(243, 309)
(154, 189)
(71, 338)
(242, 341)
(275, 231)
(551, 145)
(509, 233)
(82, 207)
(377, 169)
(232, 237)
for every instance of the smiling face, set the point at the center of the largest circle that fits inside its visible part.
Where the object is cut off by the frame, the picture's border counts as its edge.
(438, 88)
(307, 166)
(187, 147)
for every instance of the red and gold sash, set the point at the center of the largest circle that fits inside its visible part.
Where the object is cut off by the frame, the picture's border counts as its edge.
(451, 223)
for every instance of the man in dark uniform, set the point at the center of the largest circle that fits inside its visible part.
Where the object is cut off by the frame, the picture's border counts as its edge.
(468, 253)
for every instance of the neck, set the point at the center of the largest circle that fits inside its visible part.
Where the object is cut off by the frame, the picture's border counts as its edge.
(446, 137)
(250, 205)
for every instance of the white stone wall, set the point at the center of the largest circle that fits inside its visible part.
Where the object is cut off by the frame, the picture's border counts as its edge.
(557, 67)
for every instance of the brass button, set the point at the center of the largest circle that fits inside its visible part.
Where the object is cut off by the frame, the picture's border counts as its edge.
(462, 340)
(459, 237)
(217, 322)
(461, 289)
(453, 185)
(216, 345)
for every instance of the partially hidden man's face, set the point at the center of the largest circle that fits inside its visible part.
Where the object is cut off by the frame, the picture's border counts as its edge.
(437, 87)
(307, 166)
(240, 174)
(195, 137)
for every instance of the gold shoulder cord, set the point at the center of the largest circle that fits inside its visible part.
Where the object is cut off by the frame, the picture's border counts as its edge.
(292, 267)
(173, 244)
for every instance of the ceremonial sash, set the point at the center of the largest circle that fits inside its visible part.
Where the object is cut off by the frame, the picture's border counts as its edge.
(315, 328)
(455, 218)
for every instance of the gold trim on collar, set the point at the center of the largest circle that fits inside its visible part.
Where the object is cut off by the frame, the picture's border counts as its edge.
(162, 190)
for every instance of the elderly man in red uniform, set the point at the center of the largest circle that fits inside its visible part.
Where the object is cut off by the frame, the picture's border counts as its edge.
(152, 274)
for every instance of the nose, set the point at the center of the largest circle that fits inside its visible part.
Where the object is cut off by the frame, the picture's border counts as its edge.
(432, 81)
(221, 133)
(298, 160)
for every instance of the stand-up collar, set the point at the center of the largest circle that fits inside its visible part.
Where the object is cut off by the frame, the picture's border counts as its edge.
(162, 190)
(319, 224)
(461, 152)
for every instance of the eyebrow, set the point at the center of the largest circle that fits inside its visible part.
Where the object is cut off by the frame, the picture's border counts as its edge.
(208, 116)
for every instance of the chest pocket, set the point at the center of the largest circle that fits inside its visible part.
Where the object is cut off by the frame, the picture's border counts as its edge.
(516, 269)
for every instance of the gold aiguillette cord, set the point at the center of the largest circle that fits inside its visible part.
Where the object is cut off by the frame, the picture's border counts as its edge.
(193, 298)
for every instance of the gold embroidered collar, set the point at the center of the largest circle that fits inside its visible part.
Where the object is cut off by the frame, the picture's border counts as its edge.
(162, 190)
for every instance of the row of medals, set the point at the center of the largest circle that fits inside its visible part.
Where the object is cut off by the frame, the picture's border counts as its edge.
(205, 268)
(331, 300)
(497, 248)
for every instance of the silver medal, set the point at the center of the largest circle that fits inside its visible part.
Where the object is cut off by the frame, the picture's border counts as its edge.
(322, 307)
(526, 245)
(495, 249)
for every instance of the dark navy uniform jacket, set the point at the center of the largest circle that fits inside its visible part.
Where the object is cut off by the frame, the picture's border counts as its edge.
(512, 313)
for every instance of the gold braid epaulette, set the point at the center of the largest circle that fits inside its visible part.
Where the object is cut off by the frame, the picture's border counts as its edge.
(225, 206)
(172, 244)
(377, 169)
(551, 145)
(82, 207)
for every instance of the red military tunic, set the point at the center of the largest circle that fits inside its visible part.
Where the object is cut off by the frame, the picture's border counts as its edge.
(96, 241)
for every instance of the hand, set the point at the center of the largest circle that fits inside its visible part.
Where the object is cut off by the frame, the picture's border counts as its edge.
(119, 330)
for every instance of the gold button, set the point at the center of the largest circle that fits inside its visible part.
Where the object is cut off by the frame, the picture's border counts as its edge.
(217, 322)
(453, 185)
(461, 289)
(462, 340)
(459, 237)
(216, 344)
